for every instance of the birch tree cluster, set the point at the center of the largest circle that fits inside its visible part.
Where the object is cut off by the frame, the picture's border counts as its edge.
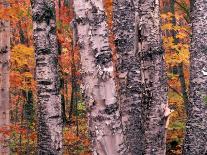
(103, 77)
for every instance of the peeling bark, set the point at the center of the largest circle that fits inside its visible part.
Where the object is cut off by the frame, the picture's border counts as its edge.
(48, 84)
(99, 85)
(4, 80)
(196, 128)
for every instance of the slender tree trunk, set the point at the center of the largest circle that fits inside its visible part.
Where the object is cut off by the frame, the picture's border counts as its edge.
(180, 65)
(74, 86)
(183, 84)
(63, 109)
(172, 10)
(28, 112)
(196, 128)
(48, 84)
(4, 80)
(99, 84)
(129, 75)
(23, 38)
(21, 126)
(73, 81)
(71, 104)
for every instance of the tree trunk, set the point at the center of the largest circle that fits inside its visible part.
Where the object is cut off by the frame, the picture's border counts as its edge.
(150, 54)
(73, 81)
(180, 65)
(99, 85)
(183, 84)
(71, 104)
(4, 80)
(129, 75)
(64, 118)
(142, 77)
(196, 128)
(48, 84)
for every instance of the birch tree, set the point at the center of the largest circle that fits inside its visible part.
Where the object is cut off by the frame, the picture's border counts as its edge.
(154, 80)
(142, 77)
(48, 85)
(99, 85)
(196, 136)
(4, 78)
(129, 75)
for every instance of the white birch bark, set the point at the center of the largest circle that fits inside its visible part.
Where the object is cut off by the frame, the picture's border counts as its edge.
(99, 85)
(4, 80)
(50, 123)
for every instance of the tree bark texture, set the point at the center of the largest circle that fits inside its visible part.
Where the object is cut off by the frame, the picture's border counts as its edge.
(129, 75)
(48, 84)
(4, 76)
(4, 79)
(196, 128)
(99, 85)
(154, 80)
(142, 77)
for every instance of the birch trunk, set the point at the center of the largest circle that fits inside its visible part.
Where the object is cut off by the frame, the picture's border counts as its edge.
(48, 84)
(99, 85)
(4, 80)
(154, 80)
(196, 128)
(129, 75)
(141, 69)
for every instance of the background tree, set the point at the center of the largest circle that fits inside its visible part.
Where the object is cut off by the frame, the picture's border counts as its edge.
(180, 66)
(4, 79)
(176, 37)
(48, 85)
(196, 135)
